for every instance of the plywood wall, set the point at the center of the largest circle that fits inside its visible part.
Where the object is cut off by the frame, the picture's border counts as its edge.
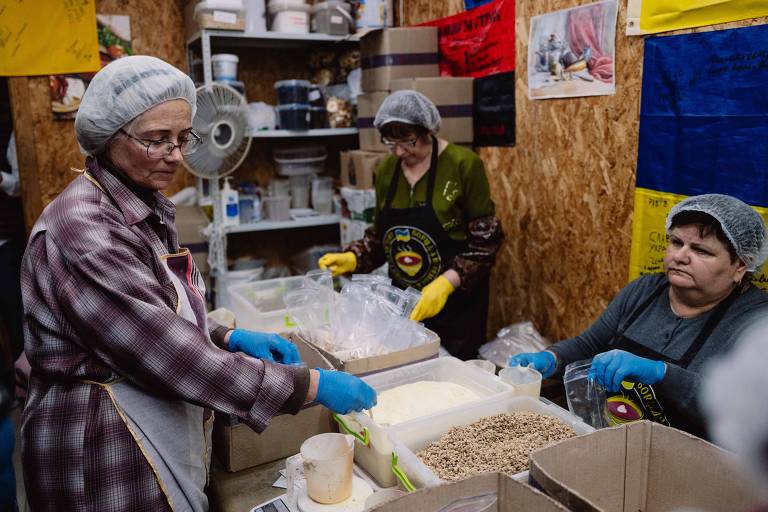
(564, 192)
(47, 148)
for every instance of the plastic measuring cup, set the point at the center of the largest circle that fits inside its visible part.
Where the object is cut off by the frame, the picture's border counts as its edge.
(524, 379)
(483, 365)
(328, 467)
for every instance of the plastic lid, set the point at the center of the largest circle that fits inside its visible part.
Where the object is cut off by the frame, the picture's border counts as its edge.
(302, 152)
(293, 106)
(332, 4)
(224, 57)
(293, 83)
(220, 5)
(276, 6)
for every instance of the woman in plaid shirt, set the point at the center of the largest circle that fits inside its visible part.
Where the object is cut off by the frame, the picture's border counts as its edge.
(125, 369)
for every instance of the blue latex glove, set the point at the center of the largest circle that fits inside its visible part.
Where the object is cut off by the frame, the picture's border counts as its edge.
(543, 362)
(264, 345)
(610, 368)
(343, 393)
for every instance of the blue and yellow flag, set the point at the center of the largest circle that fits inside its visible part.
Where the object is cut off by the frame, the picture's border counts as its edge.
(703, 129)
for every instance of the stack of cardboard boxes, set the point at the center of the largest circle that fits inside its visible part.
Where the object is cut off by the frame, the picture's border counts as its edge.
(394, 59)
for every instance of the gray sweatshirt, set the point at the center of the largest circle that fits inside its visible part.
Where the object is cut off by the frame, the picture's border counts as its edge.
(659, 329)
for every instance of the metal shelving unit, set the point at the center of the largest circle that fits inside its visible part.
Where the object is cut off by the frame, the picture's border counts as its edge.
(204, 42)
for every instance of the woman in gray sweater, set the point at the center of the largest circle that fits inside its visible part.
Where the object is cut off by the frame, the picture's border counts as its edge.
(649, 345)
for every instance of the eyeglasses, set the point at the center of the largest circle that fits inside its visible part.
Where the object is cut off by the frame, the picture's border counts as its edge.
(159, 149)
(408, 143)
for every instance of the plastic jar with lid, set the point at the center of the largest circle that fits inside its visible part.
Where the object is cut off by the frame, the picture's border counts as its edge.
(292, 91)
(332, 17)
(294, 116)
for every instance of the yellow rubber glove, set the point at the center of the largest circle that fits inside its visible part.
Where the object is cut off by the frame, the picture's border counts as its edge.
(433, 299)
(338, 262)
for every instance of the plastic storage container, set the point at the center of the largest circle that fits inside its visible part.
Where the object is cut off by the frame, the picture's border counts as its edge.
(294, 116)
(277, 208)
(332, 17)
(375, 456)
(318, 118)
(259, 305)
(210, 15)
(322, 195)
(292, 91)
(408, 439)
(224, 66)
(586, 398)
(300, 160)
(289, 16)
(300, 191)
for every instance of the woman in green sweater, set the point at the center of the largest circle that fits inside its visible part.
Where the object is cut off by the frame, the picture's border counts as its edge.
(435, 224)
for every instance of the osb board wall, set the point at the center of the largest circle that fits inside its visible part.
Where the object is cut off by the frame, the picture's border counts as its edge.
(564, 193)
(47, 148)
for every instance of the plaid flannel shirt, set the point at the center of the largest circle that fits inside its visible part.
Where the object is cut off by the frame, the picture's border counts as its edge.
(99, 306)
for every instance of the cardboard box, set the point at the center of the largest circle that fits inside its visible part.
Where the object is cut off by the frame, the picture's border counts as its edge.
(374, 364)
(190, 222)
(404, 52)
(640, 466)
(453, 98)
(220, 20)
(511, 496)
(367, 105)
(238, 447)
(358, 168)
(358, 204)
(351, 230)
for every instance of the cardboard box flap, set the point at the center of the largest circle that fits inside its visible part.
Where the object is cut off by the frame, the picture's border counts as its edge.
(685, 471)
(512, 496)
(583, 470)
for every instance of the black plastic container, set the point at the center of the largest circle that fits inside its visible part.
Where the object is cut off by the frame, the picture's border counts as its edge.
(292, 91)
(294, 116)
(317, 118)
(316, 96)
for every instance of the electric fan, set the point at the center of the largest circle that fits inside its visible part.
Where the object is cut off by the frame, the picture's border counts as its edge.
(222, 121)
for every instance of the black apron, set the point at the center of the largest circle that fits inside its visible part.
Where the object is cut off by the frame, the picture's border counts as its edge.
(636, 400)
(418, 251)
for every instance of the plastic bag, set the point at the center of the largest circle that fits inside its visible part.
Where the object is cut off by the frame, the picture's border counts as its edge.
(513, 339)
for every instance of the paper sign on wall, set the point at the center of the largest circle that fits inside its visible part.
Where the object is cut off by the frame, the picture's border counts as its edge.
(703, 125)
(42, 37)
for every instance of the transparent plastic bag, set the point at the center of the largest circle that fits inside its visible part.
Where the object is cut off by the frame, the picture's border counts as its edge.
(586, 398)
(513, 339)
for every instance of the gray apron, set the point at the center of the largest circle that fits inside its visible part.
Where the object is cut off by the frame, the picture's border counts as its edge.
(174, 436)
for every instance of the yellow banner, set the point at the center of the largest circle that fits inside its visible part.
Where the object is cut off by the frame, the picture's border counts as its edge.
(666, 15)
(47, 37)
(649, 238)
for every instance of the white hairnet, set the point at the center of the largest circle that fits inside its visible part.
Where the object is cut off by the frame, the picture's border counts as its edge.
(742, 225)
(123, 90)
(734, 398)
(409, 107)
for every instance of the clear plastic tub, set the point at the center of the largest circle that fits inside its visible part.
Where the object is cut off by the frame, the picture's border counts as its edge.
(332, 17)
(259, 306)
(408, 439)
(292, 91)
(277, 208)
(586, 398)
(294, 116)
(373, 449)
(289, 16)
(300, 160)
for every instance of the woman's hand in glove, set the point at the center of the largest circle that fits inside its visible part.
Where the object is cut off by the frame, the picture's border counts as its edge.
(610, 368)
(433, 299)
(338, 262)
(543, 362)
(343, 393)
(267, 346)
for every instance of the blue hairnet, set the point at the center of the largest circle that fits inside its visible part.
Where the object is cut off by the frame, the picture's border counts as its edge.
(741, 224)
(123, 90)
(408, 107)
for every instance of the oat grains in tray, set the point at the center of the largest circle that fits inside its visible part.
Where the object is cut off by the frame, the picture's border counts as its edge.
(499, 443)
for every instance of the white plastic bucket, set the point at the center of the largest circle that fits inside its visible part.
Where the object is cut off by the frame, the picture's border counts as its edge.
(289, 17)
(328, 467)
(255, 16)
(224, 66)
